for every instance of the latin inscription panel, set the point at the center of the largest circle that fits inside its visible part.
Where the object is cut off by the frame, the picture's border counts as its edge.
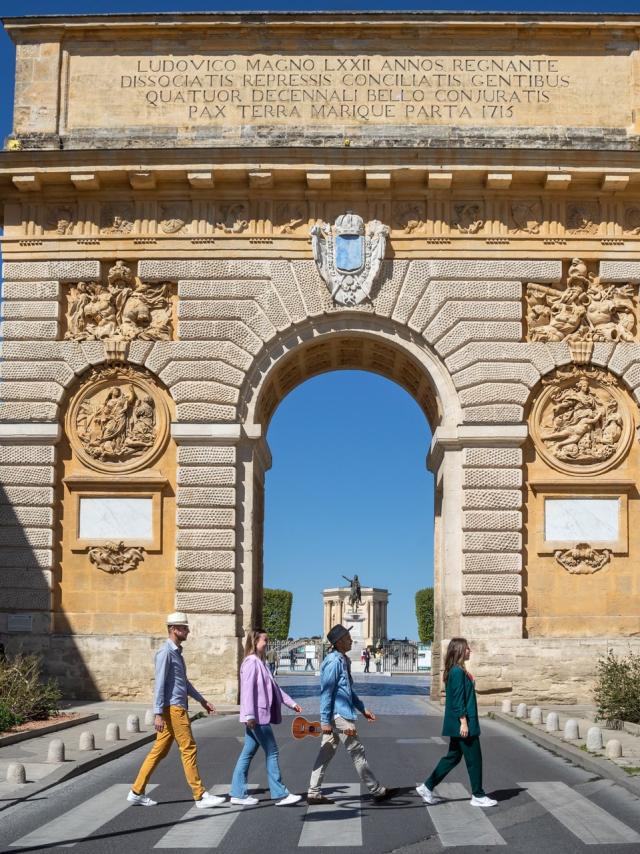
(232, 91)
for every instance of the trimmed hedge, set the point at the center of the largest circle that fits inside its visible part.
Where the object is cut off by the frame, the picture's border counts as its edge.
(424, 614)
(276, 612)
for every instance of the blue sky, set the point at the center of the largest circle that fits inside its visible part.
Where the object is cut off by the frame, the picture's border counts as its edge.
(348, 490)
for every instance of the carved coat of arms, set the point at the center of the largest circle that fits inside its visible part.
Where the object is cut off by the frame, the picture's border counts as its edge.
(349, 256)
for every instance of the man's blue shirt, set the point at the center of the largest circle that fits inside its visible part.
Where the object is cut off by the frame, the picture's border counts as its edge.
(337, 696)
(172, 686)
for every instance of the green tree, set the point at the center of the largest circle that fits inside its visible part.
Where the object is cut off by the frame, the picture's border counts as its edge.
(276, 612)
(424, 614)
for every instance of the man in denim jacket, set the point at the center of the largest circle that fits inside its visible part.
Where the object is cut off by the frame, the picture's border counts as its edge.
(338, 705)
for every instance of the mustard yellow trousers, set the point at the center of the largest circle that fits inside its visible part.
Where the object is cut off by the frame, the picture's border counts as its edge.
(177, 727)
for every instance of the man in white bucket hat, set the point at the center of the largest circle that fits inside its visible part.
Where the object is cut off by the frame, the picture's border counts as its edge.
(172, 688)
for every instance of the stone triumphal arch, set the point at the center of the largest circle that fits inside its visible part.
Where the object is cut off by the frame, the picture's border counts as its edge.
(202, 211)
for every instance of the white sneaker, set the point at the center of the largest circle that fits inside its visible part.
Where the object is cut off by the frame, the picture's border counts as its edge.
(290, 799)
(140, 800)
(244, 802)
(208, 800)
(427, 795)
(484, 801)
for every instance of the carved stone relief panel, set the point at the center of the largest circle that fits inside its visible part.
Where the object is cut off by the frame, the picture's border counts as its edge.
(60, 220)
(582, 559)
(117, 219)
(232, 218)
(586, 310)
(290, 217)
(467, 217)
(118, 421)
(631, 224)
(526, 216)
(173, 217)
(583, 218)
(123, 309)
(581, 423)
(116, 557)
(409, 217)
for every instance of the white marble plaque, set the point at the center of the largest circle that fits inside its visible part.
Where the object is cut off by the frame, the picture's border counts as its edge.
(586, 520)
(116, 519)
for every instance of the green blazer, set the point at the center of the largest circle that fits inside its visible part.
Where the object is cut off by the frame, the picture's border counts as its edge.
(460, 701)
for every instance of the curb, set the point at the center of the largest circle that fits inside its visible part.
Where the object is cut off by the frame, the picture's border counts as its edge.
(590, 762)
(15, 737)
(103, 756)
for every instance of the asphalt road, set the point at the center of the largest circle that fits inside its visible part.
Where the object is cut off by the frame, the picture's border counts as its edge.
(545, 803)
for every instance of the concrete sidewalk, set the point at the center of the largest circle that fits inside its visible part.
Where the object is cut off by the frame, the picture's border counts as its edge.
(32, 752)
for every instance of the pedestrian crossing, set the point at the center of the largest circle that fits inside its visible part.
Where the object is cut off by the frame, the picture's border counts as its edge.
(343, 824)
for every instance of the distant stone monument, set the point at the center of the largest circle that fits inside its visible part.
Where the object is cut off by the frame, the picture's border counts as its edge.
(363, 608)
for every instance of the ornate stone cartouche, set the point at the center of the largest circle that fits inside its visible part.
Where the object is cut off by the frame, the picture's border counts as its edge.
(348, 256)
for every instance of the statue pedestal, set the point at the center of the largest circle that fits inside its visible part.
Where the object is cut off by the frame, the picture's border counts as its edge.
(356, 622)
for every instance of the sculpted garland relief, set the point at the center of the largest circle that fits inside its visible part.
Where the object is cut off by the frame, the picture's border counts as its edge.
(116, 557)
(125, 308)
(582, 559)
(580, 422)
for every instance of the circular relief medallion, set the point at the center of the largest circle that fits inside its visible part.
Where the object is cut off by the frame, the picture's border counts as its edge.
(580, 422)
(118, 421)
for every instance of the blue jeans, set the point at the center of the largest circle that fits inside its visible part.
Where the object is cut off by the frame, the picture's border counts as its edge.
(260, 736)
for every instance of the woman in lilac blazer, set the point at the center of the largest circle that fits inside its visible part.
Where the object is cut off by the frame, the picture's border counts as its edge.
(260, 700)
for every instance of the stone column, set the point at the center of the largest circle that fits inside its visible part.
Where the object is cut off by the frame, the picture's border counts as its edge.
(478, 549)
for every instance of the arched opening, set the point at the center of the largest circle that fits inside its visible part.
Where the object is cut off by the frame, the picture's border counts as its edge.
(349, 493)
(325, 346)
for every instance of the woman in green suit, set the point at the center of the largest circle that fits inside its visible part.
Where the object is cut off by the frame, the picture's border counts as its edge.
(461, 725)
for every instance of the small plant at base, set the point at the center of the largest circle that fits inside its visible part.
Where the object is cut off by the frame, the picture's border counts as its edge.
(23, 692)
(617, 688)
(7, 718)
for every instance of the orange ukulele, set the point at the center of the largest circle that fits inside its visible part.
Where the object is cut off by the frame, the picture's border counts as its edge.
(301, 727)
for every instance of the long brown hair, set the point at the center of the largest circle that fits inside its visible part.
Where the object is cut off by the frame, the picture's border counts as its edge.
(253, 636)
(454, 656)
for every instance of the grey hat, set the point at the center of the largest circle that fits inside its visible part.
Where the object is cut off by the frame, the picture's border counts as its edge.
(336, 632)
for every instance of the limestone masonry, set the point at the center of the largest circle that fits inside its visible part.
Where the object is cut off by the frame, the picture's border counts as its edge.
(202, 211)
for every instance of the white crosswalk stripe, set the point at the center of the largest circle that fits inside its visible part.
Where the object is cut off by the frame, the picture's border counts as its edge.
(334, 825)
(586, 820)
(458, 823)
(203, 828)
(80, 822)
(435, 739)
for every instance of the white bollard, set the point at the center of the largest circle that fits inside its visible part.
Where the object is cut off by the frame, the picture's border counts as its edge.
(149, 717)
(16, 773)
(506, 707)
(56, 750)
(87, 741)
(571, 730)
(594, 738)
(536, 715)
(112, 733)
(553, 722)
(521, 711)
(614, 749)
(133, 723)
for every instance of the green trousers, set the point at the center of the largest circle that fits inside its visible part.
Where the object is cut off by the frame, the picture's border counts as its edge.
(458, 747)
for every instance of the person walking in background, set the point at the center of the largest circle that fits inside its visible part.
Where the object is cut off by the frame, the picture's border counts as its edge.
(171, 722)
(378, 657)
(309, 654)
(261, 699)
(461, 725)
(292, 659)
(367, 659)
(338, 705)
